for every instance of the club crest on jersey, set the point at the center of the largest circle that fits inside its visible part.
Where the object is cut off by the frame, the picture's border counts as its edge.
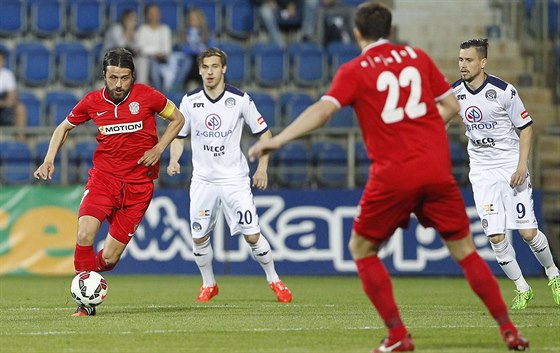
(473, 114)
(491, 95)
(230, 102)
(524, 114)
(120, 128)
(213, 122)
(134, 107)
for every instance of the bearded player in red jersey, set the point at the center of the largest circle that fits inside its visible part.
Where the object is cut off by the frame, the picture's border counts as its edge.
(400, 97)
(125, 163)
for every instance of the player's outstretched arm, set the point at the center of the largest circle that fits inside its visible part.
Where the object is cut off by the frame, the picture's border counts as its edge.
(175, 152)
(310, 119)
(260, 178)
(46, 169)
(176, 122)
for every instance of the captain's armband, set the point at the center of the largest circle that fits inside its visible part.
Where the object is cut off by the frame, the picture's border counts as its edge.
(168, 110)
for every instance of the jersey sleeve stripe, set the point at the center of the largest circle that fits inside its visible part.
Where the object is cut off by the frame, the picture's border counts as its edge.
(332, 99)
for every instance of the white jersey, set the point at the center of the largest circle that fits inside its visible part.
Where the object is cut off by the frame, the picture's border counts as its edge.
(215, 127)
(491, 115)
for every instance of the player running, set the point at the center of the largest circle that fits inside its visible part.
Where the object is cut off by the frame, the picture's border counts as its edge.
(492, 111)
(400, 97)
(215, 114)
(125, 162)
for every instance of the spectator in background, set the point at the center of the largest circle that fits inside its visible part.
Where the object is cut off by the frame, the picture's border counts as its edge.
(121, 34)
(337, 22)
(12, 111)
(155, 62)
(277, 14)
(195, 38)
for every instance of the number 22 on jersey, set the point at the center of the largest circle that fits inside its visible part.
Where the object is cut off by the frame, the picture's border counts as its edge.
(388, 81)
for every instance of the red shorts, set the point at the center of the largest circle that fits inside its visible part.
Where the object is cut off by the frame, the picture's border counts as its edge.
(438, 205)
(122, 204)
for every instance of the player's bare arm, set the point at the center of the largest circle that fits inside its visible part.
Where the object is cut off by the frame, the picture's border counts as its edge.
(260, 178)
(46, 169)
(175, 152)
(448, 108)
(176, 122)
(525, 141)
(311, 119)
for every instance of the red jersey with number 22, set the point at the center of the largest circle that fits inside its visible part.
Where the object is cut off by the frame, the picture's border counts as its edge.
(125, 130)
(394, 89)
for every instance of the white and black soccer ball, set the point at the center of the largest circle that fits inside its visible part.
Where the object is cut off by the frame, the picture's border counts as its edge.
(89, 289)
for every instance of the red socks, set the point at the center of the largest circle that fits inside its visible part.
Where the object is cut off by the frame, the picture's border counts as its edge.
(484, 284)
(100, 263)
(84, 258)
(377, 285)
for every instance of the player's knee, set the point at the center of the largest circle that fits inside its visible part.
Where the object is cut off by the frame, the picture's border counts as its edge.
(199, 241)
(84, 238)
(528, 234)
(361, 247)
(252, 239)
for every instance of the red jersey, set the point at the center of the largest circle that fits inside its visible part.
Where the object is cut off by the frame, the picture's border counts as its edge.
(125, 130)
(394, 89)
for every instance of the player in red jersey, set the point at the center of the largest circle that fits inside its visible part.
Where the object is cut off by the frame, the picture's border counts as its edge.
(400, 97)
(125, 162)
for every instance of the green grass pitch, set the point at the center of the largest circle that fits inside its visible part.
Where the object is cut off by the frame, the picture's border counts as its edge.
(329, 314)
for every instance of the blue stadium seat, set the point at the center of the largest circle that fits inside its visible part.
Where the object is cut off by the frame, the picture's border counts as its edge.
(82, 159)
(239, 18)
(292, 164)
(178, 180)
(212, 11)
(331, 164)
(74, 63)
(16, 163)
(33, 107)
(40, 151)
(351, 2)
(46, 17)
(8, 57)
(362, 164)
(458, 161)
(340, 53)
(35, 64)
(115, 9)
(236, 62)
(307, 64)
(266, 105)
(13, 18)
(269, 64)
(292, 104)
(342, 118)
(86, 18)
(171, 12)
(58, 105)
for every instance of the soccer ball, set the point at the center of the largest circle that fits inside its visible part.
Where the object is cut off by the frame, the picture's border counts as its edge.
(89, 289)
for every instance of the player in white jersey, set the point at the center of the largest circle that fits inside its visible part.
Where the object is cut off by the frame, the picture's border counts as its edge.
(492, 111)
(214, 117)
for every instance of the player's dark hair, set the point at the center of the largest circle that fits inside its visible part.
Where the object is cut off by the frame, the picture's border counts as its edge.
(212, 52)
(479, 44)
(373, 20)
(119, 57)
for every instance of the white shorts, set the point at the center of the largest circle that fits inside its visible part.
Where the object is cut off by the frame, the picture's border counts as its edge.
(238, 207)
(498, 205)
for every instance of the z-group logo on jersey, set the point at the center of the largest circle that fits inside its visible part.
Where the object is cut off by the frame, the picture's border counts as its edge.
(120, 128)
(213, 122)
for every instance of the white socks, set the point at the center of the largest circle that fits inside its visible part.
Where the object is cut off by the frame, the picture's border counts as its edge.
(505, 255)
(263, 254)
(203, 256)
(540, 248)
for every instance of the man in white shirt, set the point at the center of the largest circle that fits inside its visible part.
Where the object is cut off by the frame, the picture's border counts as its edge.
(214, 117)
(492, 110)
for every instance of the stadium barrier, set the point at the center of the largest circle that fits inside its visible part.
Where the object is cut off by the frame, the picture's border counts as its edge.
(307, 229)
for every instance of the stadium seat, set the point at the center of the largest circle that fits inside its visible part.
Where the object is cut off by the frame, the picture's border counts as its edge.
(212, 11)
(82, 158)
(16, 163)
(74, 64)
(86, 18)
(179, 180)
(13, 18)
(292, 104)
(269, 64)
(307, 64)
(239, 18)
(40, 151)
(343, 118)
(58, 105)
(8, 57)
(362, 164)
(458, 161)
(33, 107)
(236, 62)
(340, 53)
(46, 17)
(331, 164)
(292, 164)
(115, 9)
(171, 12)
(266, 105)
(35, 64)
